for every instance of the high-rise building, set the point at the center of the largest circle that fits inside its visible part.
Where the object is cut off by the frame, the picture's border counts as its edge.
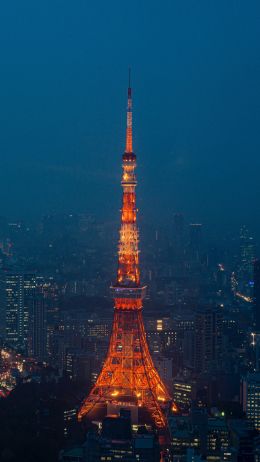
(37, 338)
(128, 379)
(79, 364)
(208, 339)
(250, 398)
(183, 392)
(218, 439)
(257, 296)
(184, 323)
(255, 334)
(17, 291)
(13, 302)
(29, 293)
(243, 441)
(246, 265)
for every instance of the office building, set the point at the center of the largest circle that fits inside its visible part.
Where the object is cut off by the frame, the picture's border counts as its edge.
(256, 297)
(247, 256)
(250, 398)
(17, 292)
(208, 339)
(37, 339)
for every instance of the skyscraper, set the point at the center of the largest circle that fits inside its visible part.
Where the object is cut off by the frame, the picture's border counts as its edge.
(247, 255)
(13, 304)
(17, 290)
(257, 296)
(29, 292)
(208, 339)
(255, 334)
(37, 335)
(250, 398)
(128, 379)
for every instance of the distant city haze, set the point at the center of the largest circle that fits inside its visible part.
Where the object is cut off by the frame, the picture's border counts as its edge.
(196, 108)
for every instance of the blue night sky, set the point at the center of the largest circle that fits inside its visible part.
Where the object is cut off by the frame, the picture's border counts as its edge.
(196, 80)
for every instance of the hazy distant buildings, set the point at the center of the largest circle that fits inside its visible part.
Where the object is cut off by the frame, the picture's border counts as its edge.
(178, 236)
(247, 256)
(247, 250)
(195, 244)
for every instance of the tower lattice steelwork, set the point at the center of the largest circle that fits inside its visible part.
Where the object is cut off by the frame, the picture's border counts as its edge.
(128, 376)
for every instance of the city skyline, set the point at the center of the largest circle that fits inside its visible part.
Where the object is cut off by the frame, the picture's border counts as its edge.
(87, 374)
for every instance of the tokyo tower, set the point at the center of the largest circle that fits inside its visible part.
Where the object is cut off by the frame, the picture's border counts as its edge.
(128, 378)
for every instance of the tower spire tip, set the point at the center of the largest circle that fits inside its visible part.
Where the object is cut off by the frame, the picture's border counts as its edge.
(129, 77)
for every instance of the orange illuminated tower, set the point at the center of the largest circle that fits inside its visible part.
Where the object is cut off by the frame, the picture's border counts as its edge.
(128, 377)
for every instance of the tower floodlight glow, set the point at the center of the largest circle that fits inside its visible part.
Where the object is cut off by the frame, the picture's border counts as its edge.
(128, 377)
